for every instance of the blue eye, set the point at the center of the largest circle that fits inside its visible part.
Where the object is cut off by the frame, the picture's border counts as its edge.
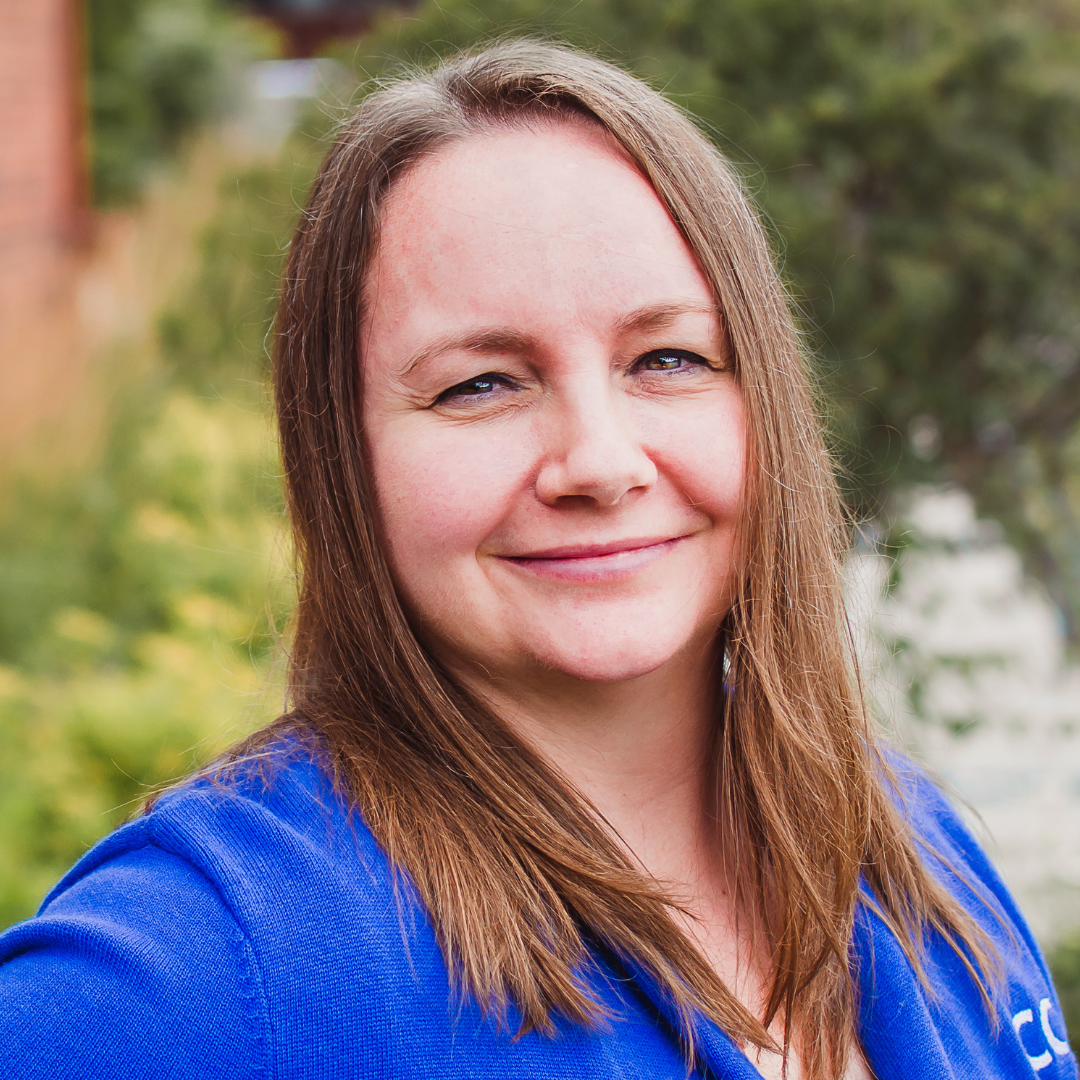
(480, 386)
(669, 360)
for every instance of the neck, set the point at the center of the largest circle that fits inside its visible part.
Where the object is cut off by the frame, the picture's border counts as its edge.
(641, 752)
(638, 750)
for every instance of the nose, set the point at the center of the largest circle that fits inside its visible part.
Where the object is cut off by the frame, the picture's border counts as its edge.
(591, 450)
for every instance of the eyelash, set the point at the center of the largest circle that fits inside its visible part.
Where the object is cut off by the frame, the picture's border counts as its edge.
(671, 354)
(492, 379)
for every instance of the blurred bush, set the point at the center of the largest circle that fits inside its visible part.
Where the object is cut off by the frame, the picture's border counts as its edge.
(157, 69)
(1065, 967)
(142, 595)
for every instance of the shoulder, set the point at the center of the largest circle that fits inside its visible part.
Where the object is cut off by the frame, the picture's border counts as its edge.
(955, 856)
(906, 1019)
(249, 832)
(163, 943)
(259, 826)
(133, 966)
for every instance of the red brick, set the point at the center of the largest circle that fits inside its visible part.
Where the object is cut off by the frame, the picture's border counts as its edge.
(44, 214)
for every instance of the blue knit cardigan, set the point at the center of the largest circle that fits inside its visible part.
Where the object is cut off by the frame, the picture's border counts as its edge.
(252, 931)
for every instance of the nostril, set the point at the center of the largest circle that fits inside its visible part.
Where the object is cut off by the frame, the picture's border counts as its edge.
(591, 448)
(603, 475)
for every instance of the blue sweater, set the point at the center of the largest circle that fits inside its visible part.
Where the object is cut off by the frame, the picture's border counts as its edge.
(253, 932)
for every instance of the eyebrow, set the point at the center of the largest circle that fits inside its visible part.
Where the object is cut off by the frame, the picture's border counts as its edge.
(661, 316)
(495, 340)
(491, 340)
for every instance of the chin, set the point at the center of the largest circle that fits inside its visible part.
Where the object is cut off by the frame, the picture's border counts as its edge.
(610, 661)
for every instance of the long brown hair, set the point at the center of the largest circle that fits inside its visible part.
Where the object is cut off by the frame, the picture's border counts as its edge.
(514, 867)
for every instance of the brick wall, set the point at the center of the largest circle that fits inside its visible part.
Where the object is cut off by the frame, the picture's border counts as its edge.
(43, 204)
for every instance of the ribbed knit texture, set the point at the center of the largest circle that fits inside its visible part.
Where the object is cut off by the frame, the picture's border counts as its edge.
(251, 930)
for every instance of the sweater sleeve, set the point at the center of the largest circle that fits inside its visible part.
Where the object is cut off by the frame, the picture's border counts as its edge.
(134, 968)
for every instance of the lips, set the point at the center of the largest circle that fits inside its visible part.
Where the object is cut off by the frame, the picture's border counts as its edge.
(589, 551)
(595, 563)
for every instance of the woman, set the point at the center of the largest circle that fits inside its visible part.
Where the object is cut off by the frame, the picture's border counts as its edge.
(576, 781)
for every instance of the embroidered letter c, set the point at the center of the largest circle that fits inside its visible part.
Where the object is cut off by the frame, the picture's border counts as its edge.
(1059, 1047)
(1018, 1021)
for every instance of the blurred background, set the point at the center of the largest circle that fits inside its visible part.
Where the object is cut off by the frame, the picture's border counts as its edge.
(918, 165)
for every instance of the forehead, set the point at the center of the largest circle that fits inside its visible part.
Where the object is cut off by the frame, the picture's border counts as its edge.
(514, 221)
(555, 178)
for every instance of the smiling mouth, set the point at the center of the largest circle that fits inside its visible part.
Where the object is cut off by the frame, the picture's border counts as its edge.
(585, 563)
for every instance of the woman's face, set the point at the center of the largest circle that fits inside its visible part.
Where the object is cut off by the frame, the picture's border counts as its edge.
(555, 433)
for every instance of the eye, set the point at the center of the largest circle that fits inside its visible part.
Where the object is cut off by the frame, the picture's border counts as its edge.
(479, 386)
(669, 360)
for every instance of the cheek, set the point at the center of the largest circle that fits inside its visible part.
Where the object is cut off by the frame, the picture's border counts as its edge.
(704, 455)
(442, 493)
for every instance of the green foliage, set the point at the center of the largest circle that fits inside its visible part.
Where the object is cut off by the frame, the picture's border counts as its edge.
(1065, 967)
(157, 68)
(142, 597)
(918, 162)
